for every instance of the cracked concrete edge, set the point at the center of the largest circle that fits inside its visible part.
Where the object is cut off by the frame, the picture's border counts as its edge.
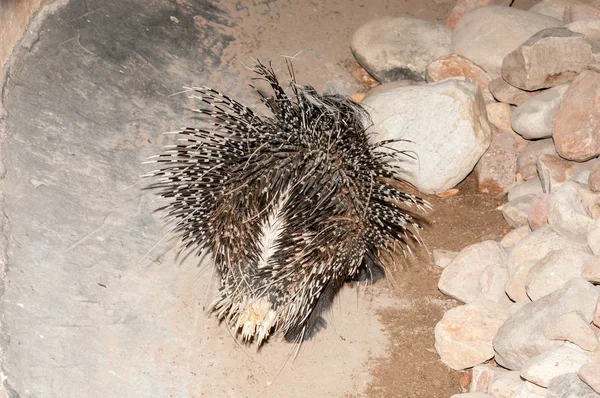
(14, 63)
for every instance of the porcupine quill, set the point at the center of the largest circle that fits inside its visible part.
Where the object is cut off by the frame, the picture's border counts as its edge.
(289, 206)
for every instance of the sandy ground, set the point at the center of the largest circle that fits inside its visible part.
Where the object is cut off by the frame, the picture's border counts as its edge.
(95, 302)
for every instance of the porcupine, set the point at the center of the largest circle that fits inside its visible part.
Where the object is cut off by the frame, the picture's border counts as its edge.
(289, 206)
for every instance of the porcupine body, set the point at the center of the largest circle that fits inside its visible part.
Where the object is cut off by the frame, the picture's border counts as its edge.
(289, 206)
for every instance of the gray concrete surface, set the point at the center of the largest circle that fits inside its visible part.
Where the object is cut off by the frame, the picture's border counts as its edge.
(95, 304)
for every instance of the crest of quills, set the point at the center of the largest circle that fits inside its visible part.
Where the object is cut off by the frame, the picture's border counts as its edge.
(289, 207)
(521, 108)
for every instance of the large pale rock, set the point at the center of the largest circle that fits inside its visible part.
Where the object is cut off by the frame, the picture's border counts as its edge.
(556, 362)
(463, 338)
(445, 123)
(569, 386)
(517, 210)
(495, 171)
(573, 328)
(483, 375)
(399, 48)
(462, 6)
(486, 35)
(506, 384)
(576, 126)
(454, 65)
(590, 374)
(533, 118)
(521, 337)
(461, 278)
(442, 258)
(528, 157)
(532, 249)
(590, 28)
(549, 58)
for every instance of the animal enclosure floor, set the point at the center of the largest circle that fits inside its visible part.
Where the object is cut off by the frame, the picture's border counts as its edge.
(95, 303)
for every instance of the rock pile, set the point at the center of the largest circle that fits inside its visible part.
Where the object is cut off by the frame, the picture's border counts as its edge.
(513, 95)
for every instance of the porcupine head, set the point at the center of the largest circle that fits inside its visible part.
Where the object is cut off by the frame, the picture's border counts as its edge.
(289, 206)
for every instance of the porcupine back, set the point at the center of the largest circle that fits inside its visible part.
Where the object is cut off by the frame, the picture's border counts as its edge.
(290, 206)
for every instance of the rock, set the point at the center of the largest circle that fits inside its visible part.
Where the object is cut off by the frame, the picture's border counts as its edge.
(495, 171)
(590, 28)
(567, 211)
(550, 57)
(485, 35)
(591, 269)
(554, 171)
(399, 48)
(590, 374)
(516, 211)
(456, 66)
(551, 8)
(553, 271)
(463, 338)
(445, 123)
(498, 114)
(461, 279)
(556, 362)
(576, 126)
(508, 94)
(527, 159)
(442, 258)
(596, 319)
(506, 384)
(493, 281)
(538, 214)
(530, 390)
(571, 327)
(569, 386)
(513, 237)
(533, 118)
(521, 337)
(593, 237)
(462, 6)
(472, 395)
(483, 375)
(579, 11)
(532, 186)
(594, 178)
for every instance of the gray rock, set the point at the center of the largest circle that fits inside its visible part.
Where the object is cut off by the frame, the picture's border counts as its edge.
(532, 186)
(445, 123)
(550, 57)
(590, 374)
(463, 337)
(521, 337)
(515, 212)
(569, 386)
(483, 376)
(533, 118)
(506, 384)
(554, 270)
(567, 210)
(527, 159)
(591, 269)
(513, 237)
(486, 35)
(556, 362)
(399, 48)
(442, 258)
(590, 28)
(461, 279)
(573, 328)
